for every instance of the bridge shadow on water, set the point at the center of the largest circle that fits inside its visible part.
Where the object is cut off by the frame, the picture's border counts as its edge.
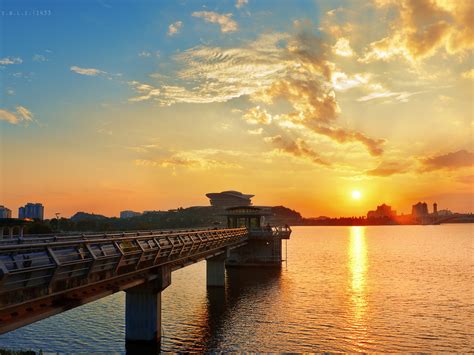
(222, 303)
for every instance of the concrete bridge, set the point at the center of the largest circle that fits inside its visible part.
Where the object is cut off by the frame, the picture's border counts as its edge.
(41, 276)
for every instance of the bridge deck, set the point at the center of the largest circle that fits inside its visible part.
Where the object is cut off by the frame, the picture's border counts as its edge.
(39, 272)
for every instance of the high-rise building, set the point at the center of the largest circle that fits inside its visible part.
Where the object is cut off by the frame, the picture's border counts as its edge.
(419, 210)
(129, 214)
(229, 199)
(382, 211)
(5, 212)
(31, 210)
(435, 208)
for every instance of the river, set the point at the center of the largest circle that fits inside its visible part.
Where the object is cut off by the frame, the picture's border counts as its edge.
(342, 289)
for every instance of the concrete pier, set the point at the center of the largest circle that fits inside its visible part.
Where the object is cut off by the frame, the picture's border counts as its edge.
(143, 309)
(215, 271)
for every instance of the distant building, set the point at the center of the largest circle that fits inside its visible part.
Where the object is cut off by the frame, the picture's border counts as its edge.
(129, 214)
(444, 213)
(419, 210)
(382, 211)
(31, 210)
(435, 208)
(5, 212)
(229, 199)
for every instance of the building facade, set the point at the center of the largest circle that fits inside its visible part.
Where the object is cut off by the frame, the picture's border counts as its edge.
(419, 210)
(229, 199)
(31, 210)
(5, 212)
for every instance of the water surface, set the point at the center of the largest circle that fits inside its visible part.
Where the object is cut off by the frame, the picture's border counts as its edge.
(380, 288)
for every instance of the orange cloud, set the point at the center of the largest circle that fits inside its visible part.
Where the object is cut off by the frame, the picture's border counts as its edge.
(387, 169)
(424, 26)
(298, 148)
(451, 161)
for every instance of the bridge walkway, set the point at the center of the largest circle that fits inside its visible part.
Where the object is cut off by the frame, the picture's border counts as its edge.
(43, 276)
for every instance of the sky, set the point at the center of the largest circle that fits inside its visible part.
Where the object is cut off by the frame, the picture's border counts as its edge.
(149, 105)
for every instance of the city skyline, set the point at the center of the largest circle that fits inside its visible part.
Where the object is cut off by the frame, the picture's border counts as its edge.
(382, 210)
(112, 106)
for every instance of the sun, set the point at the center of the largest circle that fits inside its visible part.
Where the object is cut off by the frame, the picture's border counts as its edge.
(356, 195)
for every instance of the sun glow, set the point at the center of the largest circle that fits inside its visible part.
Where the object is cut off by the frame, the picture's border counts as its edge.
(356, 195)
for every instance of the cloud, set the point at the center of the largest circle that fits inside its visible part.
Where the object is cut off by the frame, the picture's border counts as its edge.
(401, 96)
(144, 54)
(24, 113)
(8, 117)
(450, 161)
(342, 82)
(257, 115)
(424, 26)
(87, 71)
(10, 60)
(39, 58)
(21, 115)
(175, 28)
(241, 3)
(298, 148)
(343, 48)
(223, 20)
(388, 168)
(204, 159)
(276, 67)
(145, 91)
(468, 74)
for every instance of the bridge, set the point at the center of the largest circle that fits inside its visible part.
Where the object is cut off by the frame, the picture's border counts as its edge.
(41, 276)
(448, 218)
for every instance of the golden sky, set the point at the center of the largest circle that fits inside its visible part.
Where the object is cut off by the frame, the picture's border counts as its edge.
(150, 106)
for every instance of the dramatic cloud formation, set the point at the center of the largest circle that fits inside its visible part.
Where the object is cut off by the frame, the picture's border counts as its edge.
(223, 20)
(22, 114)
(174, 28)
(9, 60)
(87, 71)
(451, 161)
(275, 66)
(422, 27)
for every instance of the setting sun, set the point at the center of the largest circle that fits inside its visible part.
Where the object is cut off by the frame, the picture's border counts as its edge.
(356, 195)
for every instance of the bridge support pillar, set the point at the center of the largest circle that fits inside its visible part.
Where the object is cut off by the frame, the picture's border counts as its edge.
(143, 311)
(215, 271)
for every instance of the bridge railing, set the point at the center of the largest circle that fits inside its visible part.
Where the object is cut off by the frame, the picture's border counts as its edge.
(45, 267)
(55, 237)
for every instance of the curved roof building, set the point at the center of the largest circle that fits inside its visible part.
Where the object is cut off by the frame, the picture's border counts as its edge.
(229, 199)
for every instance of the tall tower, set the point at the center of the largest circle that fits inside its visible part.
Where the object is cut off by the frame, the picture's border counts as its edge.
(435, 208)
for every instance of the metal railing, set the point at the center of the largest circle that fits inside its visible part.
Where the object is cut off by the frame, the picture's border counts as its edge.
(72, 261)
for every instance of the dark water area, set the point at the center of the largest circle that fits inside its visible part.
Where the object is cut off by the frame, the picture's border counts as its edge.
(346, 289)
